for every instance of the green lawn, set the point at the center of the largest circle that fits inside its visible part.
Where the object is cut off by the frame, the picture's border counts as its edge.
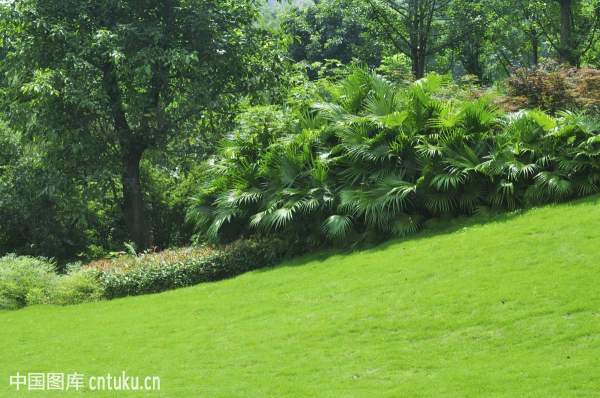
(510, 308)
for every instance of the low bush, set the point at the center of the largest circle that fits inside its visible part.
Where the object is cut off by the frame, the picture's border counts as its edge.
(28, 281)
(124, 262)
(554, 87)
(164, 271)
(545, 86)
(24, 281)
(76, 288)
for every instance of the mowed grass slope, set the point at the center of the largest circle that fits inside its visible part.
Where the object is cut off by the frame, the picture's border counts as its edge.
(510, 308)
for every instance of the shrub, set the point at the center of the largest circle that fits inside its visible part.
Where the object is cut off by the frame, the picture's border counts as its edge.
(128, 261)
(152, 274)
(28, 281)
(546, 86)
(76, 288)
(396, 68)
(586, 89)
(373, 160)
(25, 281)
(554, 87)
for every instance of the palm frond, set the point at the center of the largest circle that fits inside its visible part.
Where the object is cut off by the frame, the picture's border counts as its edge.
(337, 227)
(405, 224)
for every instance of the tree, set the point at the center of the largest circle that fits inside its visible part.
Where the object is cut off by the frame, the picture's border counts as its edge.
(514, 37)
(468, 33)
(491, 37)
(334, 29)
(570, 26)
(415, 27)
(101, 83)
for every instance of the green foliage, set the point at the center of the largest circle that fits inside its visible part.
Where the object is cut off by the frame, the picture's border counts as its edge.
(76, 287)
(396, 68)
(44, 213)
(114, 102)
(334, 29)
(371, 160)
(109, 112)
(156, 273)
(24, 281)
(28, 281)
(469, 20)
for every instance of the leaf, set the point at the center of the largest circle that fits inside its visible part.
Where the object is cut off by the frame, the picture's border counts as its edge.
(337, 227)
(393, 120)
(543, 120)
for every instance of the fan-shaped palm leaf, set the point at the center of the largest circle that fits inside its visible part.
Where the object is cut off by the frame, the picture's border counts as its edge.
(337, 227)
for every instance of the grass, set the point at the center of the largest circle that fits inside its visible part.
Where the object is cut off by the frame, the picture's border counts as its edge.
(509, 308)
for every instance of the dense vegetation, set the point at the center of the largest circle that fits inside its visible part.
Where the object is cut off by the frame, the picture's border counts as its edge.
(29, 281)
(152, 145)
(109, 107)
(502, 309)
(141, 126)
(371, 159)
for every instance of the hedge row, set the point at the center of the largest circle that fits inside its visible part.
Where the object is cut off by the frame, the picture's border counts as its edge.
(232, 260)
(28, 281)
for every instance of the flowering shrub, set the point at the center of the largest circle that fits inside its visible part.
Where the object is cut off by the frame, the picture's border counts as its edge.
(173, 269)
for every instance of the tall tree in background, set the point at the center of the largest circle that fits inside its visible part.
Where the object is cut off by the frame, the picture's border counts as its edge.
(101, 83)
(469, 22)
(570, 26)
(333, 29)
(416, 28)
(514, 37)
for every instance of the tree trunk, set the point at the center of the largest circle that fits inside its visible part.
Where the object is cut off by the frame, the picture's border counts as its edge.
(471, 60)
(418, 63)
(535, 49)
(132, 152)
(567, 50)
(133, 198)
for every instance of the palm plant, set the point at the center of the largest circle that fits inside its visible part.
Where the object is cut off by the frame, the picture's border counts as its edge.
(372, 159)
